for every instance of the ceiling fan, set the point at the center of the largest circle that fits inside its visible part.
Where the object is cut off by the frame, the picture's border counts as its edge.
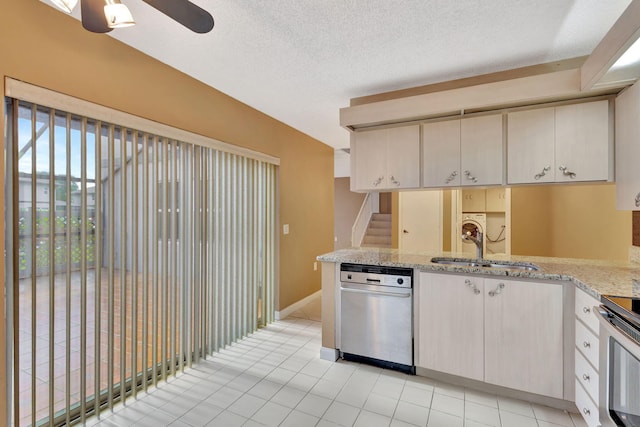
(102, 16)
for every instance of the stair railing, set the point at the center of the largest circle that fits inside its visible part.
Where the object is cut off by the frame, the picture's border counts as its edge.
(370, 205)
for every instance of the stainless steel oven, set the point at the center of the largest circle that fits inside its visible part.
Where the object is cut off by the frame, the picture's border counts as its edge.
(619, 361)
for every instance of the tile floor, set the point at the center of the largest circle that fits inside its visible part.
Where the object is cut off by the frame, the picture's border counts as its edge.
(276, 378)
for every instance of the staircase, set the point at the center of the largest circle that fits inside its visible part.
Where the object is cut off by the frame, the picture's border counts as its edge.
(378, 232)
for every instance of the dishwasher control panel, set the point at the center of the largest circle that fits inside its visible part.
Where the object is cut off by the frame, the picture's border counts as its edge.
(376, 275)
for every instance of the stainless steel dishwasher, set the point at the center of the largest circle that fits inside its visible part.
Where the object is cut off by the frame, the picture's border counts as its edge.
(376, 315)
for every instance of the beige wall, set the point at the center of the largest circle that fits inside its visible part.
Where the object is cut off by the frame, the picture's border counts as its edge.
(41, 46)
(572, 221)
(347, 206)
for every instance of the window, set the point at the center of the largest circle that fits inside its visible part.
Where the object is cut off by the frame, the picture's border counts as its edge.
(137, 250)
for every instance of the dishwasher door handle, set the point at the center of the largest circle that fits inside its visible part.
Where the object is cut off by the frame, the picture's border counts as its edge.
(381, 293)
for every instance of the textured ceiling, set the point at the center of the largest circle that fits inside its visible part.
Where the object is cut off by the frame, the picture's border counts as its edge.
(299, 61)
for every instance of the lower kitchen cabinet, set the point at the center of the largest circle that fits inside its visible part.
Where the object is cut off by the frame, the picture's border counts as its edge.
(451, 325)
(524, 336)
(503, 332)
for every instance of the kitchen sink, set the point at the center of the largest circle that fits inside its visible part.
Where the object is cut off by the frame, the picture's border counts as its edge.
(486, 264)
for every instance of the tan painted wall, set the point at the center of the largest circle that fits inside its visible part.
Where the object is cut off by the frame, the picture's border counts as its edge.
(41, 46)
(573, 221)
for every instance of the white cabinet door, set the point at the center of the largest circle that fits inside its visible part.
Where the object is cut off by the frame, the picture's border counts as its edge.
(531, 146)
(628, 149)
(441, 154)
(481, 150)
(451, 328)
(369, 160)
(582, 142)
(403, 157)
(385, 159)
(524, 336)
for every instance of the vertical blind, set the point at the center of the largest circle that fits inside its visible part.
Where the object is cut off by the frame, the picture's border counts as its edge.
(132, 255)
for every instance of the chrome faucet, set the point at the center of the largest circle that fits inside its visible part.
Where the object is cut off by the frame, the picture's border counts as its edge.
(477, 240)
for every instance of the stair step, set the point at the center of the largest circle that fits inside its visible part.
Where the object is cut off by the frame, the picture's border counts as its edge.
(381, 217)
(380, 224)
(378, 232)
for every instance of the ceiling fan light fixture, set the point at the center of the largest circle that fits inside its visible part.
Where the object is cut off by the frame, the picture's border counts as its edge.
(65, 5)
(118, 15)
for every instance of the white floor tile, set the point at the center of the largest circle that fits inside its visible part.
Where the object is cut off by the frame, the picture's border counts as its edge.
(509, 419)
(227, 419)
(224, 397)
(481, 414)
(303, 382)
(481, 398)
(341, 414)
(552, 415)
(440, 419)
(380, 404)
(447, 404)
(299, 419)
(265, 389)
(397, 423)
(417, 396)
(247, 405)
(370, 419)
(326, 388)
(288, 396)
(385, 387)
(515, 406)
(244, 382)
(412, 414)
(314, 405)
(271, 414)
(201, 414)
(449, 390)
(326, 423)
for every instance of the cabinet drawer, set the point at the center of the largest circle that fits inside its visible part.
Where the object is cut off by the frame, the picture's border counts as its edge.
(586, 407)
(587, 343)
(587, 375)
(584, 309)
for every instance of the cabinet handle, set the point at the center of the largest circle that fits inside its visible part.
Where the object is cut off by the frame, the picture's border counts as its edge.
(395, 181)
(586, 411)
(586, 344)
(543, 172)
(497, 290)
(638, 200)
(378, 181)
(470, 177)
(453, 175)
(586, 310)
(585, 377)
(567, 172)
(472, 286)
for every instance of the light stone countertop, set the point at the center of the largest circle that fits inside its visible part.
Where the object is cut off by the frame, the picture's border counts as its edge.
(596, 277)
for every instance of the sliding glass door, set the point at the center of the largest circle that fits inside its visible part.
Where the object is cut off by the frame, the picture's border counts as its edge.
(133, 256)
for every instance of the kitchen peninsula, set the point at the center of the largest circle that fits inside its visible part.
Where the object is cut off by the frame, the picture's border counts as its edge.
(514, 332)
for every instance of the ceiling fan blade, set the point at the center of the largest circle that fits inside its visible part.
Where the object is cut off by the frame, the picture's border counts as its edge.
(186, 13)
(93, 18)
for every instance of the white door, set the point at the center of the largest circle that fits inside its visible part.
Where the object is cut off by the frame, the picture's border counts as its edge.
(420, 221)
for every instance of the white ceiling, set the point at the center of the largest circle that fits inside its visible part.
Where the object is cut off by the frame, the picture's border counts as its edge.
(299, 61)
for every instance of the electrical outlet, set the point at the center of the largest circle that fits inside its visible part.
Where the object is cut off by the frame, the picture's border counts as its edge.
(285, 229)
(315, 266)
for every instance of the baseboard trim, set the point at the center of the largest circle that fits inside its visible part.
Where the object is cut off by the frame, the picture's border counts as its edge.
(297, 305)
(330, 354)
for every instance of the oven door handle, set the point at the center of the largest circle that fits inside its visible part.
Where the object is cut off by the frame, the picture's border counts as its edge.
(381, 293)
(618, 334)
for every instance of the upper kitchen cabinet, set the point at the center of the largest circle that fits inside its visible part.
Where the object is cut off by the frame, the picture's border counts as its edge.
(463, 152)
(560, 144)
(628, 149)
(385, 159)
